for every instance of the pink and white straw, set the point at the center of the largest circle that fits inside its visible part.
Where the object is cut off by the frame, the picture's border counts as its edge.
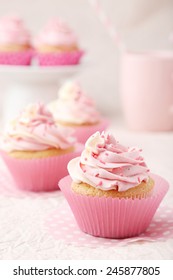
(107, 24)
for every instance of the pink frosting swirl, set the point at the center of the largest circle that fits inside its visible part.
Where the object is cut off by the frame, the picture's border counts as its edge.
(74, 106)
(36, 130)
(56, 32)
(105, 164)
(13, 31)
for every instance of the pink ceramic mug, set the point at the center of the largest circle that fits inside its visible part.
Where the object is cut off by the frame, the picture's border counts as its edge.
(147, 90)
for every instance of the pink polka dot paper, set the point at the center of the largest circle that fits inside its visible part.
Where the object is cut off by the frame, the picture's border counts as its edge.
(62, 226)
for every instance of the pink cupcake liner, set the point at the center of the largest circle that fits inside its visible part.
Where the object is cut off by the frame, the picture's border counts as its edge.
(82, 133)
(16, 58)
(55, 59)
(114, 217)
(39, 174)
(61, 225)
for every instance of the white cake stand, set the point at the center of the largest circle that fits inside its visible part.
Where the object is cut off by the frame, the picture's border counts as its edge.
(21, 85)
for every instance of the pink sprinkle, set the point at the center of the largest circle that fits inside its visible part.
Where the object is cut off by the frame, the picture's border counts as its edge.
(84, 170)
(121, 174)
(106, 154)
(97, 175)
(99, 146)
(148, 170)
(110, 169)
(139, 180)
(102, 161)
(100, 183)
(85, 159)
(102, 136)
(94, 155)
(140, 150)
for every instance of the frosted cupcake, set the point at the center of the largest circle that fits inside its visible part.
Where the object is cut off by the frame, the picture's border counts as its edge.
(36, 150)
(111, 193)
(75, 109)
(57, 44)
(15, 46)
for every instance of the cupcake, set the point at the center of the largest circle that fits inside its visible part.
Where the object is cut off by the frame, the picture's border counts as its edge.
(56, 44)
(75, 109)
(15, 46)
(36, 150)
(111, 192)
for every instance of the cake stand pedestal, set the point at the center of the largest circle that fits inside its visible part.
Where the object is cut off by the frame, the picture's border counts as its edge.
(20, 85)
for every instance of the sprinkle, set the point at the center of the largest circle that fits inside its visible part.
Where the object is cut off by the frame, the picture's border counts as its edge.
(100, 183)
(110, 169)
(121, 174)
(140, 150)
(85, 159)
(139, 180)
(94, 155)
(99, 146)
(102, 161)
(148, 170)
(84, 170)
(97, 175)
(106, 154)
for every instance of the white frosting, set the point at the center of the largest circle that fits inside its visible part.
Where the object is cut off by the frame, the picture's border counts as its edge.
(56, 32)
(36, 130)
(13, 31)
(73, 106)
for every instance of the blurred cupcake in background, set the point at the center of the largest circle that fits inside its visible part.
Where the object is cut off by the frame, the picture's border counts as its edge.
(75, 109)
(15, 42)
(56, 44)
(36, 150)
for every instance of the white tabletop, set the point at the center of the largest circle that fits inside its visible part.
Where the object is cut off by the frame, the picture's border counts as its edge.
(24, 236)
